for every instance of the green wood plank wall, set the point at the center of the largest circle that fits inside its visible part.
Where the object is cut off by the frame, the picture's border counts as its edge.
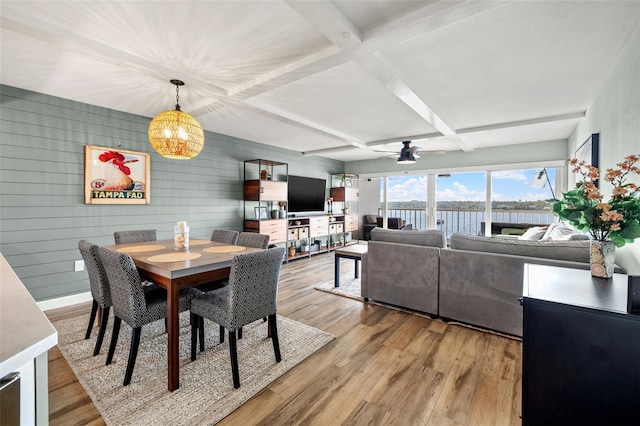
(42, 210)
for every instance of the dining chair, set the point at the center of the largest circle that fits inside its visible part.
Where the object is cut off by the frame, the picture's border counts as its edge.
(252, 239)
(100, 292)
(133, 303)
(225, 236)
(251, 295)
(135, 236)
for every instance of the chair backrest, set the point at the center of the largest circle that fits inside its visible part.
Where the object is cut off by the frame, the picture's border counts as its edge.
(253, 286)
(252, 239)
(225, 236)
(392, 222)
(127, 293)
(98, 281)
(136, 236)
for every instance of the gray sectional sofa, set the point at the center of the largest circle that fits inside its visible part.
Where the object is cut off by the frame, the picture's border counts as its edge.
(476, 280)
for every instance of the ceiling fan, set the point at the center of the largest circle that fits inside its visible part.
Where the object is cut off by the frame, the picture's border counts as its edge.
(408, 154)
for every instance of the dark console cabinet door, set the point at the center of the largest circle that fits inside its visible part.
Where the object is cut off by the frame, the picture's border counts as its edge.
(581, 362)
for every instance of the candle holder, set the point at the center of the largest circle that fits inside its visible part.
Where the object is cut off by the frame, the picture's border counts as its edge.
(181, 237)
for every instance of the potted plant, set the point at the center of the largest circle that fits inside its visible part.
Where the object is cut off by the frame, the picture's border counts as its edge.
(610, 224)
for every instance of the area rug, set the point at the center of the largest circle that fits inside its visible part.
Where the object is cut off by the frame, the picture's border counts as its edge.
(348, 288)
(206, 393)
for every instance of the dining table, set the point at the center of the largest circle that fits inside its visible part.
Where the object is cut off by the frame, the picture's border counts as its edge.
(173, 269)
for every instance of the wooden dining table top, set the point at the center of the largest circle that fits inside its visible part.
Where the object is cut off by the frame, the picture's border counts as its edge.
(161, 258)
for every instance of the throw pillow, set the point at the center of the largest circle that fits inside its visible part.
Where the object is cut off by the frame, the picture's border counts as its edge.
(534, 233)
(557, 231)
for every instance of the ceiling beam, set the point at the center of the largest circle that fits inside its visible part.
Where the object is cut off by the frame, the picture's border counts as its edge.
(328, 21)
(468, 130)
(381, 68)
(425, 20)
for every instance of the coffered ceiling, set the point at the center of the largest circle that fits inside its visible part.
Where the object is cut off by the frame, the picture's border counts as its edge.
(340, 78)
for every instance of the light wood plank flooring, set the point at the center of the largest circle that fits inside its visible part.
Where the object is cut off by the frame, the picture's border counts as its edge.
(384, 367)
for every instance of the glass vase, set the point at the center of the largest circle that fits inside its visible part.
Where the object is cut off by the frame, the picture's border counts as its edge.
(602, 258)
(181, 238)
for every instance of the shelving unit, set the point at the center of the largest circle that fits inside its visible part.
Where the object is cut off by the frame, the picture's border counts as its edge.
(265, 184)
(309, 235)
(345, 194)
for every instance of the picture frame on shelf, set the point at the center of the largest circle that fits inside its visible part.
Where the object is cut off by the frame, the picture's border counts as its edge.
(260, 213)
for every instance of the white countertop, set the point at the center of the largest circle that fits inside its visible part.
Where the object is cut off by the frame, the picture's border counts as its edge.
(25, 331)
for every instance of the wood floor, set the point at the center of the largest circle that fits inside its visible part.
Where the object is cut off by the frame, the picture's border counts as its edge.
(384, 367)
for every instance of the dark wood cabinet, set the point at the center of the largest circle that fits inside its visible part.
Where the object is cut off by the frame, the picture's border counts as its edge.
(581, 350)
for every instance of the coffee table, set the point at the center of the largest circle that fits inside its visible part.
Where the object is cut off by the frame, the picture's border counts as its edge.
(354, 252)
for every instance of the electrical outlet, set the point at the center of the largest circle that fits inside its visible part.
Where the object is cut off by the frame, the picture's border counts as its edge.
(78, 266)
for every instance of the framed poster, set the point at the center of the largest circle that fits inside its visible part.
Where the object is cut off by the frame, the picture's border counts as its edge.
(260, 212)
(116, 176)
(589, 151)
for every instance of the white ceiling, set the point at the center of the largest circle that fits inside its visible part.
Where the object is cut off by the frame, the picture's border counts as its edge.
(332, 78)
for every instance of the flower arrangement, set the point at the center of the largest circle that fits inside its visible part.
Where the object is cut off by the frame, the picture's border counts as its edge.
(618, 219)
(330, 205)
(282, 203)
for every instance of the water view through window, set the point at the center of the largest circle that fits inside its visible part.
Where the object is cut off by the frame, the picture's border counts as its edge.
(460, 199)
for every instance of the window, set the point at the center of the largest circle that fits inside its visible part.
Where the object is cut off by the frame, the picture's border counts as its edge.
(458, 201)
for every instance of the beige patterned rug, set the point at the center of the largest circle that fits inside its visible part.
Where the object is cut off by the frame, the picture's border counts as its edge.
(206, 393)
(349, 287)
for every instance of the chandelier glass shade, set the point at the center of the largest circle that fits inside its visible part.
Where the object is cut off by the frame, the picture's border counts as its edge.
(175, 134)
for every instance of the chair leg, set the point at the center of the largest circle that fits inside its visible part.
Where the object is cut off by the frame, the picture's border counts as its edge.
(195, 321)
(114, 339)
(165, 325)
(103, 326)
(221, 334)
(201, 330)
(133, 354)
(274, 336)
(240, 333)
(233, 349)
(92, 318)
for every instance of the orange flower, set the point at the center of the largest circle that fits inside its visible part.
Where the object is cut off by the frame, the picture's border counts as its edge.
(614, 227)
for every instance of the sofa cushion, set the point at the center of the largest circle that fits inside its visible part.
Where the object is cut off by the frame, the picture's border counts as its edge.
(431, 238)
(575, 251)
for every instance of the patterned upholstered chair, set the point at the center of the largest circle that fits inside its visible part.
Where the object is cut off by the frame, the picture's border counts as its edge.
(134, 303)
(252, 239)
(136, 236)
(224, 236)
(250, 296)
(99, 290)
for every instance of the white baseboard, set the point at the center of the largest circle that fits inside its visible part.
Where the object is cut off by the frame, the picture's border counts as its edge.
(61, 302)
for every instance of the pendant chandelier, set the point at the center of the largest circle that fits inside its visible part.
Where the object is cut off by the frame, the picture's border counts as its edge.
(175, 134)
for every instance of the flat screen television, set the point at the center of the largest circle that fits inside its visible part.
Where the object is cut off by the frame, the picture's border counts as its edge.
(306, 194)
